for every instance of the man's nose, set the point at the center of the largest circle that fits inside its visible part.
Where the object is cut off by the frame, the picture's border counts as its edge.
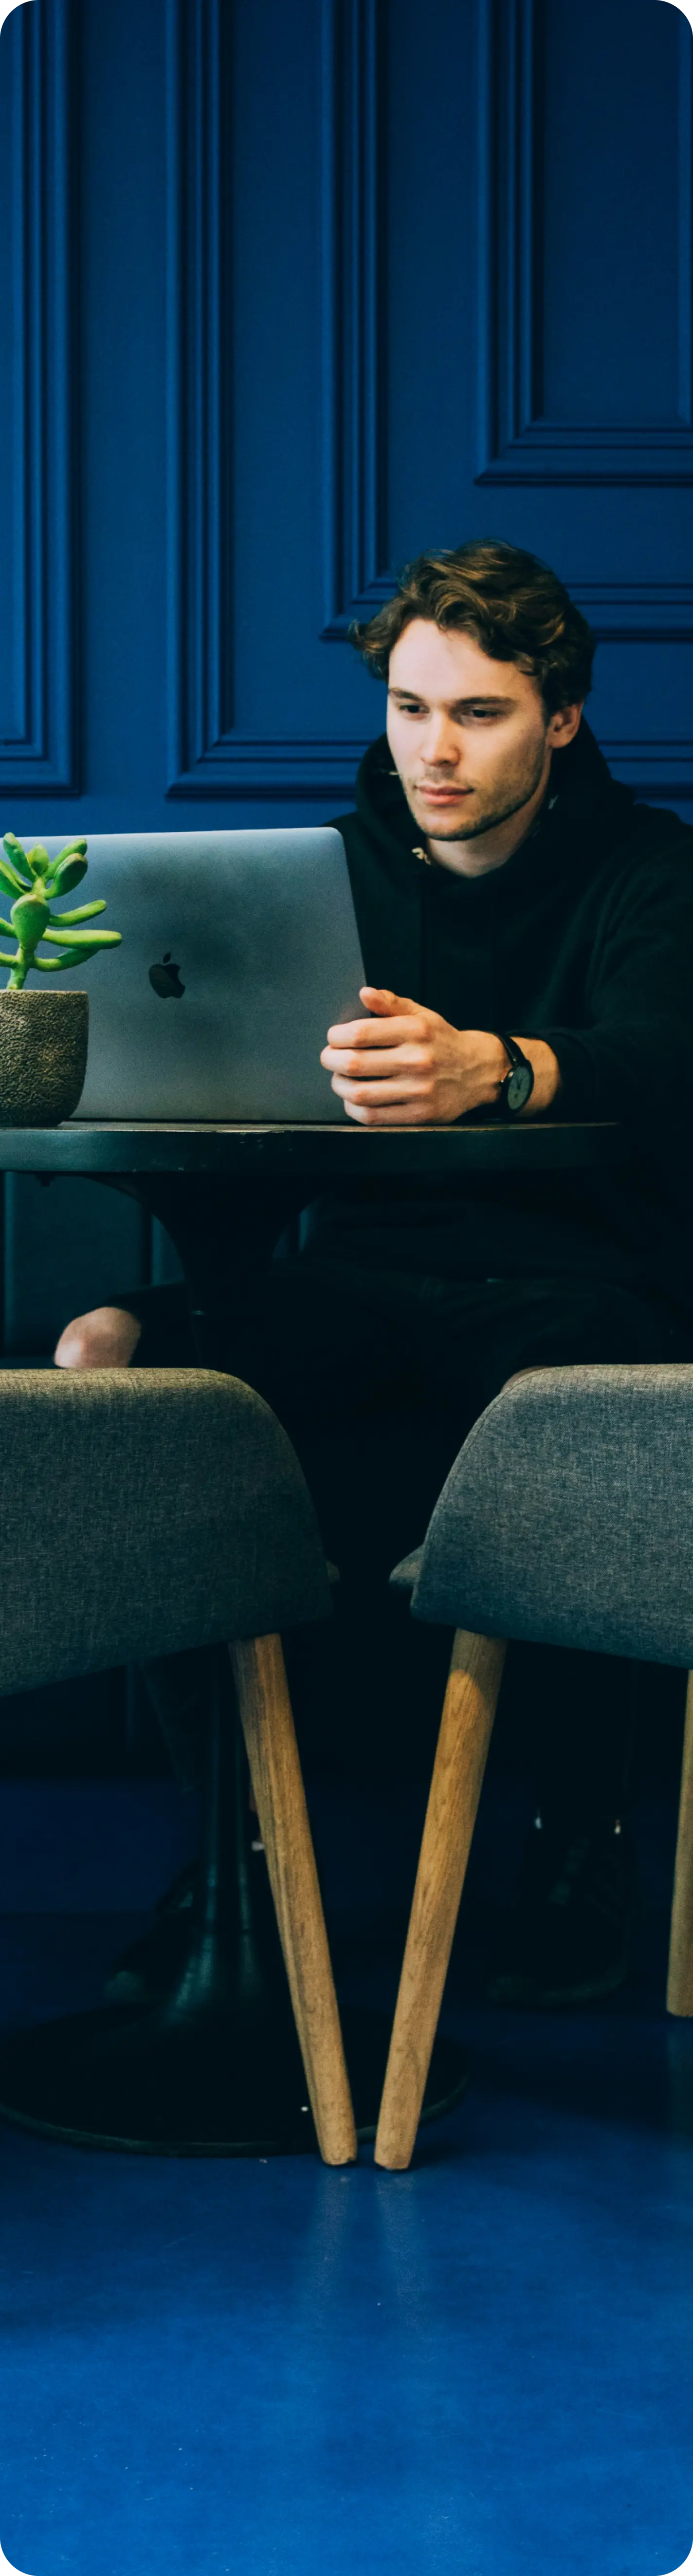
(440, 747)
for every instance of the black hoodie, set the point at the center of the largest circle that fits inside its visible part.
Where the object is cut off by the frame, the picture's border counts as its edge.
(584, 938)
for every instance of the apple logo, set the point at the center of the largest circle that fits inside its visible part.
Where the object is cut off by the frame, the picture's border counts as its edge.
(165, 980)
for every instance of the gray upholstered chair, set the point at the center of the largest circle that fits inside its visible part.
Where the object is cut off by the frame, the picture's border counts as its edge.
(144, 1512)
(567, 1519)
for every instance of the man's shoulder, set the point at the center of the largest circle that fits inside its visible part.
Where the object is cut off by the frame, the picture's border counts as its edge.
(644, 884)
(655, 839)
(662, 826)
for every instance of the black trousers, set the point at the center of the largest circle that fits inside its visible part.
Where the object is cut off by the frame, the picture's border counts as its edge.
(378, 1377)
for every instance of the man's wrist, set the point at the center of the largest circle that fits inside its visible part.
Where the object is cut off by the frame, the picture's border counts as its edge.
(485, 1064)
(493, 1070)
(547, 1074)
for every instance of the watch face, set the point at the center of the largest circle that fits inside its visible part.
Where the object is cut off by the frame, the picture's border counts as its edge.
(520, 1086)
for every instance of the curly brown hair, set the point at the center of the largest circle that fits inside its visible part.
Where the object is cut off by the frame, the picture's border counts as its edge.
(515, 608)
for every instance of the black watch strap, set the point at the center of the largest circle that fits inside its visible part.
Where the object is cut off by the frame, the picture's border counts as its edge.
(518, 1084)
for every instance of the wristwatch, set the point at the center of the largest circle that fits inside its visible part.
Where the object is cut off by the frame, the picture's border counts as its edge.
(518, 1084)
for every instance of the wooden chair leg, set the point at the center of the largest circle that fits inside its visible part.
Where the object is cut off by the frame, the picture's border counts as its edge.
(268, 1726)
(469, 1709)
(680, 1982)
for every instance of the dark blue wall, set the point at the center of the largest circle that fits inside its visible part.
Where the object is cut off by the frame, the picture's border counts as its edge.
(287, 293)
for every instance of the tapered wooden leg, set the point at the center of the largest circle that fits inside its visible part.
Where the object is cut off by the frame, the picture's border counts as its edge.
(680, 1983)
(268, 1726)
(468, 1712)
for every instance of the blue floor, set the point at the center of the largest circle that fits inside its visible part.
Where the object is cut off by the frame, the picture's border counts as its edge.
(484, 2366)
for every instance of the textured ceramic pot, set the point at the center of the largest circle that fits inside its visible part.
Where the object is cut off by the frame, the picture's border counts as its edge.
(43, 1056)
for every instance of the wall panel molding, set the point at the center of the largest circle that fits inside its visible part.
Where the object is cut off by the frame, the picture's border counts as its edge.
(636, 612)
(659, 771)
(207, 755)
(517, 445)
(38, 752)
(354, 327)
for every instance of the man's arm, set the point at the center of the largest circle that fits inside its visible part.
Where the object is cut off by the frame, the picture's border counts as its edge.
(406, 1067)
(629, 1058)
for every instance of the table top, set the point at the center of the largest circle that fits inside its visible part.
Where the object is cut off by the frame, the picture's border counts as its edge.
(329, 1154)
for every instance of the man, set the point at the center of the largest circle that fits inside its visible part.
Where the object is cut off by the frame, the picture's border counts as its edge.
(526, 932)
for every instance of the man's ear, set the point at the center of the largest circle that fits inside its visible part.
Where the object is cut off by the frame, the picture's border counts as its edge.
(564, 726)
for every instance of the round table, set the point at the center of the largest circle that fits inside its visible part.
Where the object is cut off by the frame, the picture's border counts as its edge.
(253, 1181)
(333, 1155)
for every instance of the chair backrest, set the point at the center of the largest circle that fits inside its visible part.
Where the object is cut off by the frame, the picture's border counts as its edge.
(567, 1517)
(143, 1511)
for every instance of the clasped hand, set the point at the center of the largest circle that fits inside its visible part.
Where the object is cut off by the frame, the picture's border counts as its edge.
(406, 1067)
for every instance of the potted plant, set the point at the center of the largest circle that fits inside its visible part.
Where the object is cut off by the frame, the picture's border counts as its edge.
(44, 1036)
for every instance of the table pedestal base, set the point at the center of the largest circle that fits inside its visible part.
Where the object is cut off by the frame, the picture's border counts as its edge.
(213, 2069)
(115, 2080)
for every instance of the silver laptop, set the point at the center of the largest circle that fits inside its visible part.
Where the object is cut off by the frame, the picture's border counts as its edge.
(239, 949)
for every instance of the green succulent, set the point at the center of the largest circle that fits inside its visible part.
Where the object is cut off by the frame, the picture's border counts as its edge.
(35, 879)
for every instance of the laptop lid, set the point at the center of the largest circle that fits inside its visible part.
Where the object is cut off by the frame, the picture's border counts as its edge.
(239, 950)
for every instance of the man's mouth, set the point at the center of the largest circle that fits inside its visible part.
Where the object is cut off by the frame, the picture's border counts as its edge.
(443, 795)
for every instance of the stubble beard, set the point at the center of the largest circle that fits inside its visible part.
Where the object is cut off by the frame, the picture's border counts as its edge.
(487, 822)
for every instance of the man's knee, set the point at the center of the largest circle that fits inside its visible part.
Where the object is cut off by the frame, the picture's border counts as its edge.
(106, 1338)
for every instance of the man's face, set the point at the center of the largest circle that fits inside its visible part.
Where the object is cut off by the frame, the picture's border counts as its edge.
(470, 737)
